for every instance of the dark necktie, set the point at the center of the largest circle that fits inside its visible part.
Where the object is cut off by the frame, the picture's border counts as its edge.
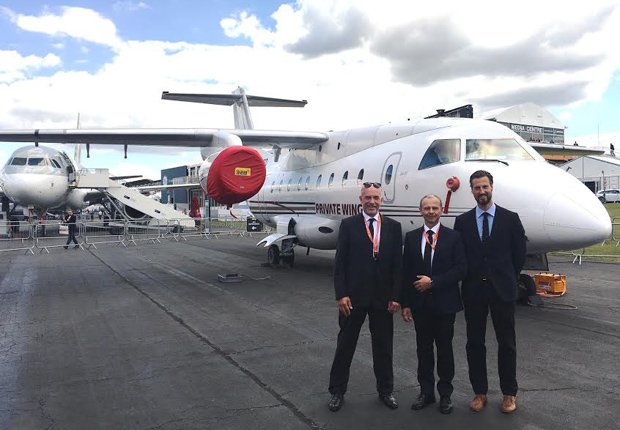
(485, 226)
(428, 250)
(372, 229)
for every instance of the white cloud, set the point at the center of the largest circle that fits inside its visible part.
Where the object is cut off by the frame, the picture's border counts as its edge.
(80, 23)
(130, 6)
(13, 65)
(354, 61)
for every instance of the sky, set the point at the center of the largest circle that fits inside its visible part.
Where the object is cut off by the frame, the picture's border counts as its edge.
(357, 62)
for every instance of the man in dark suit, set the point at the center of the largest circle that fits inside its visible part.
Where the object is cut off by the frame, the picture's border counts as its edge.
(433, 264)
(367, 282)
(70, 220)
(494, 242)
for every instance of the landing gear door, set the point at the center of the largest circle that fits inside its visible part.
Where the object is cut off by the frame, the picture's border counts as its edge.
(388, 177)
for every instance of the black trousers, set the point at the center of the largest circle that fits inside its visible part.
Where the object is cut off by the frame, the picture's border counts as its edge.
(503, 317)
(71, 237)
(433, 327)
(381, 324)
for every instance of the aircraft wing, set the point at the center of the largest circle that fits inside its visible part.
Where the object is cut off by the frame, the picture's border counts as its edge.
(557, 149)
(192, 137)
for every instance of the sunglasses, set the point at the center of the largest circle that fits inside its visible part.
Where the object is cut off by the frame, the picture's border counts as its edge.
(372, 184)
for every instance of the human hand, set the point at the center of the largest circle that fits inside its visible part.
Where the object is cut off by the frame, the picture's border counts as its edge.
(344, 304)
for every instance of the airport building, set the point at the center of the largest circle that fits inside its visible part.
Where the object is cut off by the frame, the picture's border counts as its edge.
(597, 172)
(530, 121)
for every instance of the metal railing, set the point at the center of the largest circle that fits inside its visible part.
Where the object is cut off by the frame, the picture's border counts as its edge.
(28, 237)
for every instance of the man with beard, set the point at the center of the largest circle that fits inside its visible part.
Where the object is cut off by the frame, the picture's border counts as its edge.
(367, 282)
(494, 242)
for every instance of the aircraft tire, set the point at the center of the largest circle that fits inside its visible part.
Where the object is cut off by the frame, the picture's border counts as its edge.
(273, 255)
(526, 287)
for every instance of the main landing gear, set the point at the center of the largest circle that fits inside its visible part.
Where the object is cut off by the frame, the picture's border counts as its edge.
(284, 256)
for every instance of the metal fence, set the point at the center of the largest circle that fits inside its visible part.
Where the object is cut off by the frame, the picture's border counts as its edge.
(36, 237)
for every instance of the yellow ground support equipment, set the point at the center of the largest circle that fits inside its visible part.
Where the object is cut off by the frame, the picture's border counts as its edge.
(547, 283)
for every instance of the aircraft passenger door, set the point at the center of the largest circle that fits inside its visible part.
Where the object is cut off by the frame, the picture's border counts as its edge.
(388, 177)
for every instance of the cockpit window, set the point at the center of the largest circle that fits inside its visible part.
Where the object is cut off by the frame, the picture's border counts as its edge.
(495, 149)
(18, 161)
(36, 161)
(55, 163)
(442, 151)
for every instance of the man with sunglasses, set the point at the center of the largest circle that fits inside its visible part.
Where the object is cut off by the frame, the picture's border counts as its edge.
(367, 282)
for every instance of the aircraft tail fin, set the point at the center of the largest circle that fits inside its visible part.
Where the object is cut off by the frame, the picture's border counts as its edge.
(240, 102)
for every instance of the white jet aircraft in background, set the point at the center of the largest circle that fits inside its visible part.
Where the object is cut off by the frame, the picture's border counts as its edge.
(312, 179)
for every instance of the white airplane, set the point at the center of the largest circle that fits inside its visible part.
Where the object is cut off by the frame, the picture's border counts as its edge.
(305, 192)
(42, 178)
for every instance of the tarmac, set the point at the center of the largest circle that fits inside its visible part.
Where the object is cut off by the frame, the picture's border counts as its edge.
(145, 337)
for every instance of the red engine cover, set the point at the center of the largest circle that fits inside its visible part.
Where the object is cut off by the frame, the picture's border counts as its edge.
(236, 174)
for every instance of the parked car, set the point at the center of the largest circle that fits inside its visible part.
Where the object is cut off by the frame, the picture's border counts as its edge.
(609, 196)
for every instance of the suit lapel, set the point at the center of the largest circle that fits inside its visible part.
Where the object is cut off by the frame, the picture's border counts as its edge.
(384, 233)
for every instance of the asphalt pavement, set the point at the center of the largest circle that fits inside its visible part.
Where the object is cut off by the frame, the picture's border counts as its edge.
(145, 337)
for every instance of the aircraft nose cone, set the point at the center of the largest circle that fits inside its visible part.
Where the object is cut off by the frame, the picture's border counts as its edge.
(576, 221)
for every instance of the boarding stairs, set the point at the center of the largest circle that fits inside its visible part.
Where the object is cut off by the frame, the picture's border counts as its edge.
(100, 179)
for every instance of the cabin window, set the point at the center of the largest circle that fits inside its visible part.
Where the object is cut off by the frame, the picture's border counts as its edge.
(280, 187)
(36, 161)
(344, 178)
(288, 187)
(273, 186)
(318, 182)
(388, 175)
(442, 151)
(330, 182)
(299, 184)
(18, 161)
(360, 177)
(495, 149)
(307, 183)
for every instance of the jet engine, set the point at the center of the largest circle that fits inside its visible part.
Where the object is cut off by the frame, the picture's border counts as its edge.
(233, 175)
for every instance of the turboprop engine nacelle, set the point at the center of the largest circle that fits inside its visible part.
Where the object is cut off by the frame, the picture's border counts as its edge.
(316, 232)
(233, 175)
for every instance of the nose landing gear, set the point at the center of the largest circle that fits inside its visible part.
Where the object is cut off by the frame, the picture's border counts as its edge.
(284, 256)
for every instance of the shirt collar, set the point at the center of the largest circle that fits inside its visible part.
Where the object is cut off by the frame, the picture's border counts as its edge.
(366, 217)
(490, 211)
(435, 229)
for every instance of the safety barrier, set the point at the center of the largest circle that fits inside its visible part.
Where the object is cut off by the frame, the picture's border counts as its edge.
(18, 237)
(52, 234)
(99, 232)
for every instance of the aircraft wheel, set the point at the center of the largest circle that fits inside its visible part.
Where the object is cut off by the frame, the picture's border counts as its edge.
(289, 259)
(273, 255)
(525, 288)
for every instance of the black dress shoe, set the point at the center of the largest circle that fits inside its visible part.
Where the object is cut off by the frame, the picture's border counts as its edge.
(336, 402)
(445, 405)
(423, 401)
(389, 400)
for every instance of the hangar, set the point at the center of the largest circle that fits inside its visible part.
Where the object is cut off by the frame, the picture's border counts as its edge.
(597, 172)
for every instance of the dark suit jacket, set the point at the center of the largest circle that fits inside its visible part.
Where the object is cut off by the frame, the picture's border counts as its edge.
(504, 252)
(449, 267)
(357, 274)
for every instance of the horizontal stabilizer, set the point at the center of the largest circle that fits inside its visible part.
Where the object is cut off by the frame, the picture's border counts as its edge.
(230, 99)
